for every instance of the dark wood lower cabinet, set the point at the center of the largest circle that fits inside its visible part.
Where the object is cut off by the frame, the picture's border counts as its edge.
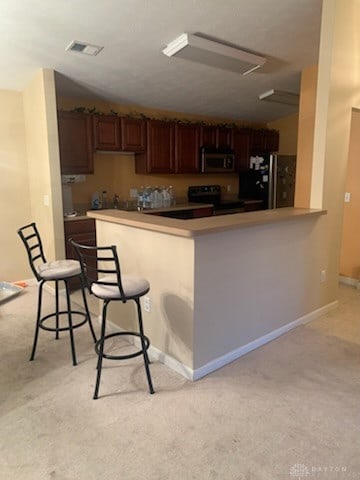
(83, 232)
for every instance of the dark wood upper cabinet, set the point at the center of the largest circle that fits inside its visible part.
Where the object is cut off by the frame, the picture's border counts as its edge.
(272, 141)
(264, 141)
(75, 143)
(160, 151)
(208, 136)
(241, 145)
(112, 133)
(187, 148)
(107, 132)
(212, 136)
(133, 132)
(225, 138)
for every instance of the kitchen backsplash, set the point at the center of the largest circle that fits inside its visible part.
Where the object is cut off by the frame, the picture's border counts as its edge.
(116, 175)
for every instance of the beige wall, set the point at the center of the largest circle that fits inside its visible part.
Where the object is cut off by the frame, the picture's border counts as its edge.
(288, 130)
(307, 110)
(14, 205)
(29, 169)
(350, 246)
(43, 161)
(337, 91)
(116, 173)
(168, 264)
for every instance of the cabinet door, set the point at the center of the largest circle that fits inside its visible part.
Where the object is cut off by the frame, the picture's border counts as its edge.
(107, 132)
(224, 137)
(83, 232)
(133, 133)
(208, 136)
(160, 151)
(272, 141)
(187, 148)
(242, 149)
(75, 143)
(258, 142)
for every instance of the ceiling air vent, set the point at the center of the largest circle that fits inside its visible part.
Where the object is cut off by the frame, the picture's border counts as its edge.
(81, 47)
(208, 52)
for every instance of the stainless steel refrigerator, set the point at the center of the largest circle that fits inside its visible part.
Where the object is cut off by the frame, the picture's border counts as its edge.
(272, 180)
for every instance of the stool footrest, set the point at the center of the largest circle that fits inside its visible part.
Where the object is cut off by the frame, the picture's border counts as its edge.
(122, 357)
(63, 329)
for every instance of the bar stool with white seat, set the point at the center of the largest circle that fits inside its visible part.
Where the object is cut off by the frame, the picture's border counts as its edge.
(102, 264)
(54, 271)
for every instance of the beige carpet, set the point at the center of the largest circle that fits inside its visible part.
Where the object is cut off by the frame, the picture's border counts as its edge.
(288, 410)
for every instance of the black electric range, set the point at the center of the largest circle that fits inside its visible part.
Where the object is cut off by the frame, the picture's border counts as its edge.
(212, 194)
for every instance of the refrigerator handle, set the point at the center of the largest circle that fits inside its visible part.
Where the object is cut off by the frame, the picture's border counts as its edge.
(275, 179)
(271, 191)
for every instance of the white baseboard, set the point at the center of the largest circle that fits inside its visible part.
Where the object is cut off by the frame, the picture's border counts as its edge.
(157, 355)
(243, 350)
(353, 282)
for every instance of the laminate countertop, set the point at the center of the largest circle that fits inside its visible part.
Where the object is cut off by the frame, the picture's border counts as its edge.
(202, 226)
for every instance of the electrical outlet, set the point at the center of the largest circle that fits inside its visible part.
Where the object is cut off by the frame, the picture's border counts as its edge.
(323, 276)
(347, 197)
(147, 304)
(228, 188)
(46, 200)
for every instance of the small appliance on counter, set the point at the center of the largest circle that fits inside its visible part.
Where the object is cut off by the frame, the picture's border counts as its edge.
(67, 200)
(212, 194)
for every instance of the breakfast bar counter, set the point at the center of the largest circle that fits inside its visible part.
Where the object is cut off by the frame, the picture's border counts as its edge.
(201, 226)
(219, 286)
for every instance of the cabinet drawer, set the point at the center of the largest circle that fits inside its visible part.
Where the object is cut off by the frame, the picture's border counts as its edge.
(79, 226)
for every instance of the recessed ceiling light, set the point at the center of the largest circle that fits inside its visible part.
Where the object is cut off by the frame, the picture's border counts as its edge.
(280, 96)
(208, 52)
(82, 47)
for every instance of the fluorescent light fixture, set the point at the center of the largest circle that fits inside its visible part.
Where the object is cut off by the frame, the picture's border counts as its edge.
(86, 48)
(201, 50)
(279, 96)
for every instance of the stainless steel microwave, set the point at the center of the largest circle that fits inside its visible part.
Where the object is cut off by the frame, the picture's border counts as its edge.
(217, 161)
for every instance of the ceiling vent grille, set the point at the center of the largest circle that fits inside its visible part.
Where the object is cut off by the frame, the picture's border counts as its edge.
(208, 52)
(81, 47)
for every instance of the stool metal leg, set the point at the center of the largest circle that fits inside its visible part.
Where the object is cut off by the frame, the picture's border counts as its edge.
(101, 351)
(57, 309)
(87, 309)
(146, 358)
(38, 318)
(72, 343)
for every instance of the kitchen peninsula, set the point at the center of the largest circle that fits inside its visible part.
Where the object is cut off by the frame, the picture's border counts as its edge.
(220, 286)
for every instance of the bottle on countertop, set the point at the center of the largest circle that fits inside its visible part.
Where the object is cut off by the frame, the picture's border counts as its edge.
(166, 197)
(95, 201)
(116, 201)
(171, 191)
(140, 198)
(157, 199)
(104, 199)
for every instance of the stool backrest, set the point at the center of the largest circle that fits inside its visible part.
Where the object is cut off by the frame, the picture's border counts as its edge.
(99, 263)
(30, 236)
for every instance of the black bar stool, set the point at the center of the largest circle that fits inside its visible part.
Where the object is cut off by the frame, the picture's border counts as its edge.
(101, 269)
(55, 271)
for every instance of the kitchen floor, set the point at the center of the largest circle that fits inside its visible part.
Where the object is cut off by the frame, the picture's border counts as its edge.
(93, 302)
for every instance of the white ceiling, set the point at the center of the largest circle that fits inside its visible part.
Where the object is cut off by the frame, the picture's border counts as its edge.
(131, 69)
